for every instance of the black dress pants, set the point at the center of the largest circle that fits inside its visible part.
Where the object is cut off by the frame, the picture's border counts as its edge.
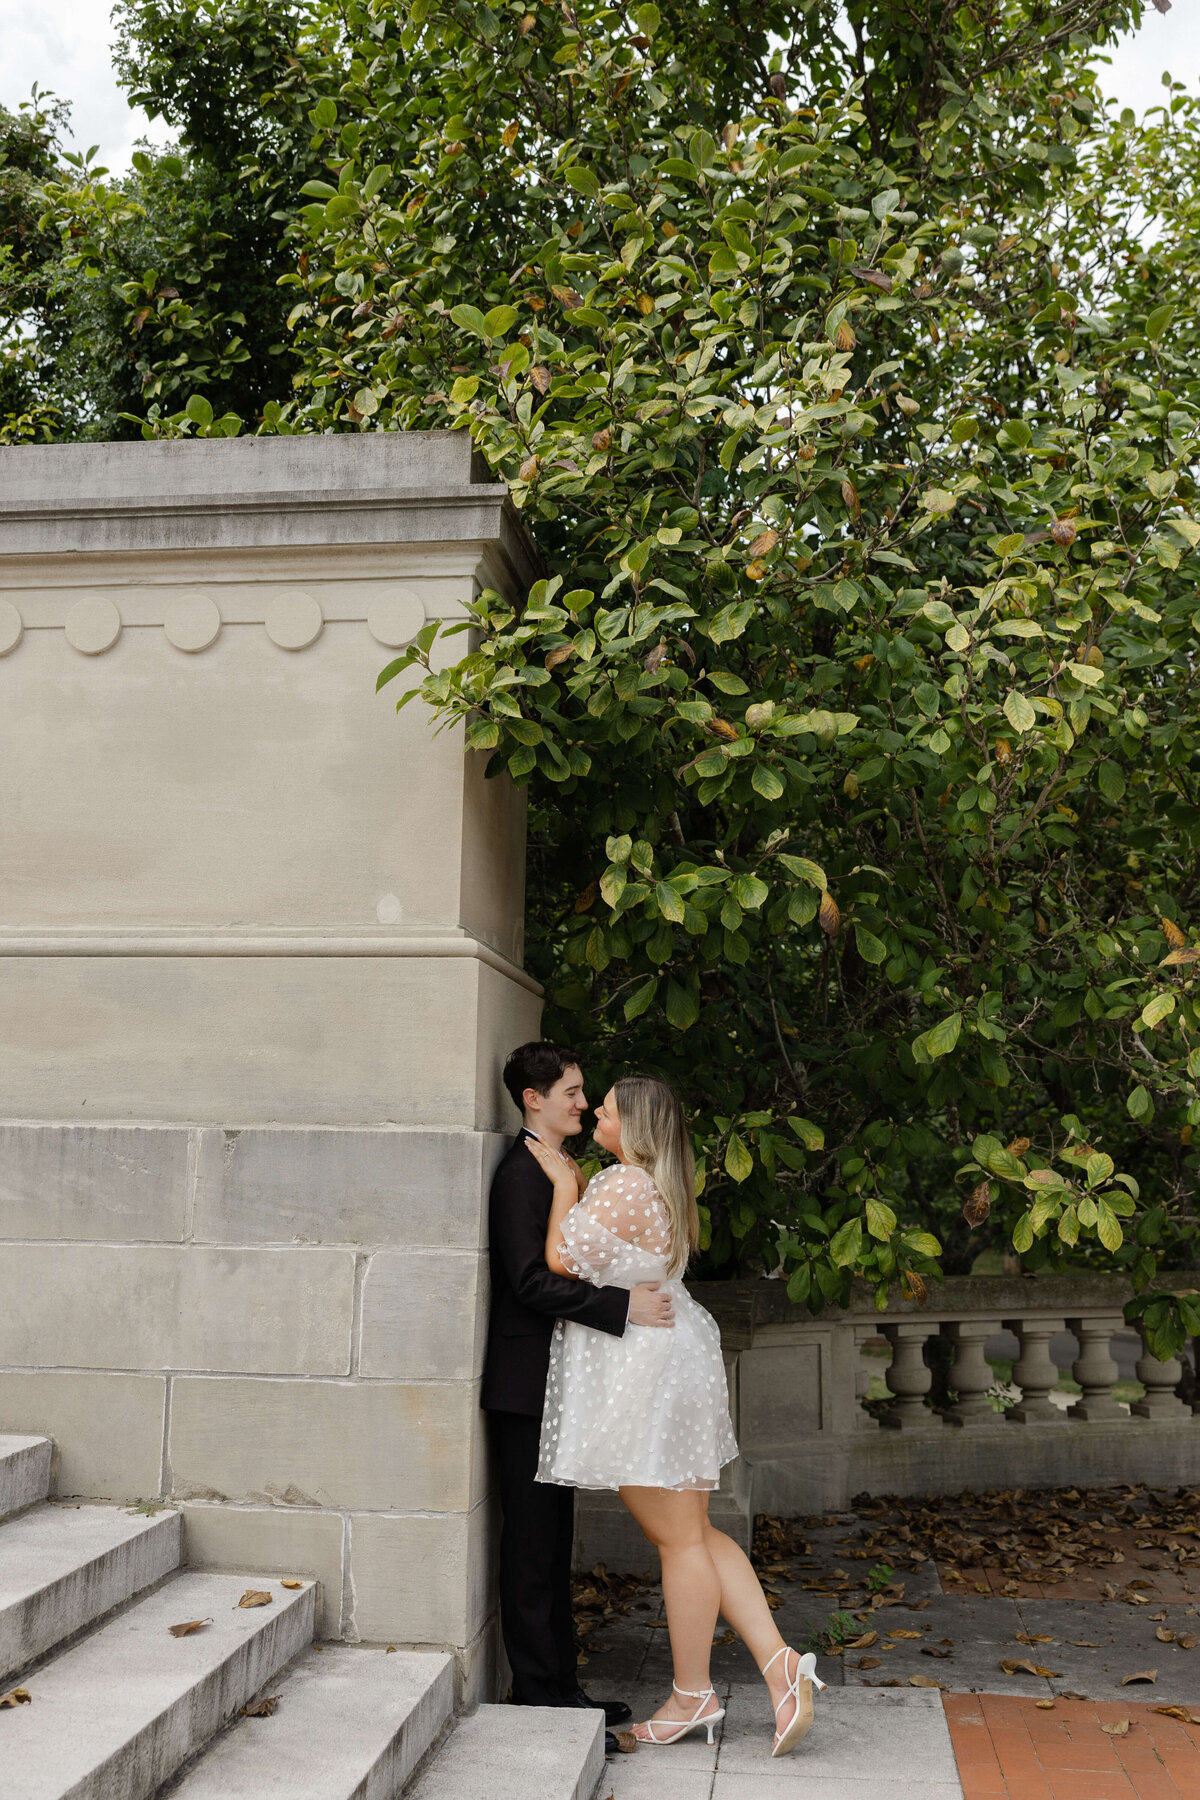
(535, 1567)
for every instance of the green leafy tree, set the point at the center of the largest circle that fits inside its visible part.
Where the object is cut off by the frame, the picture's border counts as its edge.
(848, 389)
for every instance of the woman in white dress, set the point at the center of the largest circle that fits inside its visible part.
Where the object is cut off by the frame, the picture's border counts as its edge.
(648, 1413)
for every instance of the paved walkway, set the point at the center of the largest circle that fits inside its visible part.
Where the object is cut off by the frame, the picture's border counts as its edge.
(919, 1705)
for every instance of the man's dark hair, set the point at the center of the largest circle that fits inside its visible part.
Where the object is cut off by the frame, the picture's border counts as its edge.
(536, 1066)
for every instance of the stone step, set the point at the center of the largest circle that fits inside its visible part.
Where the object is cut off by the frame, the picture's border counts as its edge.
(517, 1753)
(64, 1567)
(24, 1472)
(116, 1715)
(351, 1724)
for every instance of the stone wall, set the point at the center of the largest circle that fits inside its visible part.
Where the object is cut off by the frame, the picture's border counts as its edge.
(260, 958)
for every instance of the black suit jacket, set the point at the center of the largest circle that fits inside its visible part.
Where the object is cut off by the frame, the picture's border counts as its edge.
(527, 1297)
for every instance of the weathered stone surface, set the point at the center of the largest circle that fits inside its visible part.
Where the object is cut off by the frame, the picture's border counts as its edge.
(424, 1316)
(141, 1306)
(351, 1724)
(93, 1181)
(511, 1753)
(107, 1429)
(318, 1039)
(64, 1568)
(357, 1444)
(289, 1541)
(118, 1713)
(405, 1187)
(429, 1578)
(24, 1471)
(779, 1394)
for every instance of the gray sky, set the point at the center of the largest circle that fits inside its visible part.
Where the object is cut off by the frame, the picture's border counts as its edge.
(64, 45)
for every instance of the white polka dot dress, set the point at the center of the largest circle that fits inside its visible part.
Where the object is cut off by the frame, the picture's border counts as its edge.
(651, 1408)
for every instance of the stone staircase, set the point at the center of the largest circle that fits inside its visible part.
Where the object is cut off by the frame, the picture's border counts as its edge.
(119, 1708)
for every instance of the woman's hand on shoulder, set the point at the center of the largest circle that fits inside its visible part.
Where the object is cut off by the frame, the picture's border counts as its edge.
(563, 1172)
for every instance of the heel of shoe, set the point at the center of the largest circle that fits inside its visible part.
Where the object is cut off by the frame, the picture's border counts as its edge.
(808, 1668)
(713, 1720)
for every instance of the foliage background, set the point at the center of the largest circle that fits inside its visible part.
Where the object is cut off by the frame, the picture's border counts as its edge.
(849, 390)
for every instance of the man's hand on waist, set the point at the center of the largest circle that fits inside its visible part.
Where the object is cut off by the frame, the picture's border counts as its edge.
(648, 1305)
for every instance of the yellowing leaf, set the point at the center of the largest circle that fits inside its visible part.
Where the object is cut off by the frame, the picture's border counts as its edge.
(188, 1626)
(1019, 712)
(256, 1597)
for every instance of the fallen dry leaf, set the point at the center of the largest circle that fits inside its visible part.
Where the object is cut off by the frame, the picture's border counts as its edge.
(16, 1697)
(1116, 1727)
(1013, 1665)
(1141, 1675)
(906, 1634)
(1082, 1644)
(865, 1642)
(626, 1742)
(1032, 1637)
(932, 1650)
(255, 1597)
(291, 1584)
(1187, 1641)
(868, 1662)
(1164, 1636)
(188, 1626)
(261, 1709)
(923, 1681)
(1044, 1705)
(1179, 1712)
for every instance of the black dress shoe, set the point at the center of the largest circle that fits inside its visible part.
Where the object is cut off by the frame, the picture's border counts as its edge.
(615, 1711)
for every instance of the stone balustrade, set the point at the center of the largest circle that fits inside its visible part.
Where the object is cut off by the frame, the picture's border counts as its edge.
(798, 1386)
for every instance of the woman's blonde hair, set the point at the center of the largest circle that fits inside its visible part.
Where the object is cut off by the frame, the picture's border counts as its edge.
(654, 1137)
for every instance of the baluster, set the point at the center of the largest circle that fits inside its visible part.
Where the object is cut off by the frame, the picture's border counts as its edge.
(1160, 1379)
(972, 1374)
(909, 1380)
(1035, 1373)
(1095, 1370)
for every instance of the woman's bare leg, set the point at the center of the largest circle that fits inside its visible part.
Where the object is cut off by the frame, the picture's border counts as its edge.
(744, 1606)
(676, 1523)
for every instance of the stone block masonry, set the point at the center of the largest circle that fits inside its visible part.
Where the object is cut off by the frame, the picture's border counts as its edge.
(260, 960)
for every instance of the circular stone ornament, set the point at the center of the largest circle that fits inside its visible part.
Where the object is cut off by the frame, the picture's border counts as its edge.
(12, 627)
(93, 626)
(294, 620)
(394, 619)
(192, 622)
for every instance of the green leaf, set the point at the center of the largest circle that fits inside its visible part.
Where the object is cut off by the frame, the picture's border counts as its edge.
(738, 1161)
(1111, 782)
(469, 318)
(766, 782)
(750, 892)
(944, 1035)
(641, 997)
(869, 946)
(1158, 1009)
(1022, 1236)
(1157, 322)
(730, 622)
(810, 1135)
(1019, 712)
(881, 1220)
(682, 1006)
(1139, 1104)
(845, 1247)
(669, 902)
(199, 410)
(465, 388)
(1108, 1227)
(498, 321)
(582, 180)
(807, 870)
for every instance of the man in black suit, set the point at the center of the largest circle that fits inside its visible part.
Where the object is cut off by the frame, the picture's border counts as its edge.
(546, 1086)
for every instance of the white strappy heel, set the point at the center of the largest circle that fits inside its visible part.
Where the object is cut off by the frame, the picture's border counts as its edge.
(708, 1719)
(800, 1723)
